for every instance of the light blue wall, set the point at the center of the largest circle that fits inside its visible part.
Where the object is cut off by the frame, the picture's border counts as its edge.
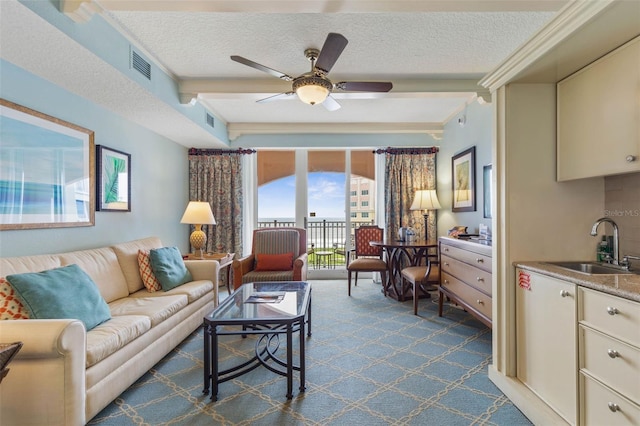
(159, 176)
(477, 131)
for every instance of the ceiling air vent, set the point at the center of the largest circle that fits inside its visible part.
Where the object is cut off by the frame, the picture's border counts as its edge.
(210, 120)
(140, 65)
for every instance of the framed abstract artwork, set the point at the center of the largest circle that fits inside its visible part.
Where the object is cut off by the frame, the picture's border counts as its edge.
(47, 170)
(114, 180)
(463, 180)
(487, 172)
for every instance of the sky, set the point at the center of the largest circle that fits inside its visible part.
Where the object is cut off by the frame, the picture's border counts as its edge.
(326, 196)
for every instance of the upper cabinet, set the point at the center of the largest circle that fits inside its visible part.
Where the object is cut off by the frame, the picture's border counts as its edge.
(599, 117)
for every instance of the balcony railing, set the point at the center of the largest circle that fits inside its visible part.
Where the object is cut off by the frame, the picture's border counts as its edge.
(322, 235)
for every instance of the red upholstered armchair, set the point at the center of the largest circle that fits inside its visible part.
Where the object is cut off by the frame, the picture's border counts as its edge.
(277, 254)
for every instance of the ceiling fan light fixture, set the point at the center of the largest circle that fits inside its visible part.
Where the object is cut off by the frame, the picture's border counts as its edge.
(312, 90)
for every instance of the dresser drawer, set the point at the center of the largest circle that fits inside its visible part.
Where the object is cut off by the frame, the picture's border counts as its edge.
(481, 261)
(610, 314)
(602, 406)
(473, 276)
(611, 361)
(472, 297)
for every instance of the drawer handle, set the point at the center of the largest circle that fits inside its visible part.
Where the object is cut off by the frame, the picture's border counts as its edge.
(479, 279)
(446, 263)
(479, 260)
(480, 302)
(564, 293)
(613, 353)
(612, 311)
(613, 406)
(446, 281)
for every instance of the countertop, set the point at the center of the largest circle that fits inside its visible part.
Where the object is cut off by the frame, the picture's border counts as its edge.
(622, 285)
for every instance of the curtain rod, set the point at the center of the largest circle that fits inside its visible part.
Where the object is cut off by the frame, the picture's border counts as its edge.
(409, 151)
(239, 151)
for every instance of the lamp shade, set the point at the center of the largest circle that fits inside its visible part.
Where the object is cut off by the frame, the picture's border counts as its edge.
(425, 199)
(198, 213)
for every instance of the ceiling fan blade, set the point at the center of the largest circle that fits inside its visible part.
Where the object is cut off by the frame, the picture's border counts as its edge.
(364, 86)
(331, 50)
(262, 68)
(331, 104)
(277, 97)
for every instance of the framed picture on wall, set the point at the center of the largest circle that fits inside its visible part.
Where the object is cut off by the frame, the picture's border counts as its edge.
(114, 180)
(463, 180)
(486, 190)
(47, 178)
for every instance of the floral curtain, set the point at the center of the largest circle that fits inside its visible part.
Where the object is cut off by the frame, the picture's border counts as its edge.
(215, 176)
(406, 171)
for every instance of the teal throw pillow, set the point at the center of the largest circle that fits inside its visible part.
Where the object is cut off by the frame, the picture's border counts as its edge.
(66, 292)
(169, 268)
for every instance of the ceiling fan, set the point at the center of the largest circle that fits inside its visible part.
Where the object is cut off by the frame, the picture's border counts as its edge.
(314, 87)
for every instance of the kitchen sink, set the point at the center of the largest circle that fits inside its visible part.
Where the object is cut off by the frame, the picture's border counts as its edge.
(591, 268)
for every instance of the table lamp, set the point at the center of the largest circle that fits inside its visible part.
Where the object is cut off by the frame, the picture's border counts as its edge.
(198, 213)
(425, 199)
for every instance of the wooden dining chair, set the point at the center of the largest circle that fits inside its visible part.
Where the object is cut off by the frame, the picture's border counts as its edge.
(365, 257)
(422, 278)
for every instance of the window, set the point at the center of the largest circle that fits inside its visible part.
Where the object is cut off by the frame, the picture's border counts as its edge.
(365, 192)
(365, 204)
(354, 193)
(354, 204)
(365, 214)
(354, 214)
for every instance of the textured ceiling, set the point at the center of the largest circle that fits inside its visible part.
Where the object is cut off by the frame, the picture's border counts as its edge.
(434, 52)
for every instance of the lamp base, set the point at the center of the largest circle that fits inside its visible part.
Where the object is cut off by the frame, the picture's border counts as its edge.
(426, 227)
(198, 239)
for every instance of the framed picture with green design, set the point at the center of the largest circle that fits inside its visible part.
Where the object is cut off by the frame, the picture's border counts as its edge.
(113, 180)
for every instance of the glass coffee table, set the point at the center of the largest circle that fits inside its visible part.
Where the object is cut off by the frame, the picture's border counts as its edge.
(267, 309)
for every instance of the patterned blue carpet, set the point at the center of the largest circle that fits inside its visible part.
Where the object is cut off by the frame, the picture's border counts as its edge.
(369, 362)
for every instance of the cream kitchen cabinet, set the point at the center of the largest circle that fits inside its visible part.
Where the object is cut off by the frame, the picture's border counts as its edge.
(609, 354)
(598, 117)
(546, 342)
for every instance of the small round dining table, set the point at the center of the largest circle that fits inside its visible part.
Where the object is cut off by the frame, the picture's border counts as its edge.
(399, 255)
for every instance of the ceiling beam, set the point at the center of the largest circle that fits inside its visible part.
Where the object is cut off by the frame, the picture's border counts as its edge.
(81, 10)
(237, 129)
(191, 88)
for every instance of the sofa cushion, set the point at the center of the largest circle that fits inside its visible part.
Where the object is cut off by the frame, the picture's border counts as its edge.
(274, 262)
(102, 266)
(194, 290)
(22, 264)
(127, 254)
(168, 267)
(157, 309)
(65, 292)
(112, 335)
(10, 306)
(146, 272)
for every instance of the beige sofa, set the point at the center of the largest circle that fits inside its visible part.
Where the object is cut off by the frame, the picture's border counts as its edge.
(64, 375)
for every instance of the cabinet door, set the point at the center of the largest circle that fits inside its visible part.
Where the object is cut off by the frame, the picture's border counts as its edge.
(546, 345)
(599, 117)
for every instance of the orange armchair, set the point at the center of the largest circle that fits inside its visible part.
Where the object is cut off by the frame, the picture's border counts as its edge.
(268, 248)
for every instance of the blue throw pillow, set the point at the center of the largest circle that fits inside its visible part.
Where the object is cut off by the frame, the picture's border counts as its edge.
(169, 268)
(66, 292)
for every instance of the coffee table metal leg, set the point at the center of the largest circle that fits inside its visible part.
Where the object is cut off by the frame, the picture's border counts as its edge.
(207, 357)
(214, 363)
(302, 357)
(289, 361)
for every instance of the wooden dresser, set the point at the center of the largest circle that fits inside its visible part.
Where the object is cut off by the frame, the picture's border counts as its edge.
(465, 276)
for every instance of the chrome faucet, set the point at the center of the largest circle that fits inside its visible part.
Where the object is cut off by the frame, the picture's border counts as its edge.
(616, 238)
